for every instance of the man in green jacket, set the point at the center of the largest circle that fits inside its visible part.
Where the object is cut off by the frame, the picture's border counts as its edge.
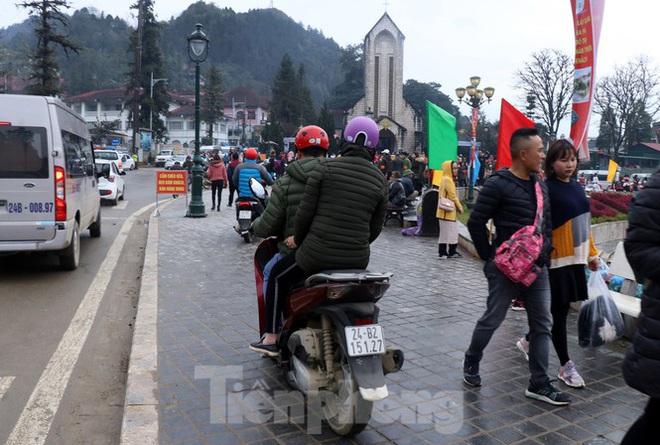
(340, 214)
(312, 144)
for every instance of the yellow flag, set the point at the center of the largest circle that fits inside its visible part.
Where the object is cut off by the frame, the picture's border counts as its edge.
(611, 170)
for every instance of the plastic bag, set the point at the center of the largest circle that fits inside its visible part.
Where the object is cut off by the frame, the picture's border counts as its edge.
(599, 320)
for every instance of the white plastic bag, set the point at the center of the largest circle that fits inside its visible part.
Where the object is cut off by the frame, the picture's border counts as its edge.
(599, 320)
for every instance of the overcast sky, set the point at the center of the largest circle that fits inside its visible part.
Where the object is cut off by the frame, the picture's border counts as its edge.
(447, 43)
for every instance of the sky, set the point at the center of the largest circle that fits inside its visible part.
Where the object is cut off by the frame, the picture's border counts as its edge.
(447, 41)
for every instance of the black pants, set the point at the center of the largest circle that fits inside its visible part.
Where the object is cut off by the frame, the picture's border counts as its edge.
(232, 189)
(216, 186)
(284, 274)
(645, 430)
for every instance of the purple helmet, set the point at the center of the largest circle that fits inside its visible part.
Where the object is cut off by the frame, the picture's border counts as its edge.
(365, 126)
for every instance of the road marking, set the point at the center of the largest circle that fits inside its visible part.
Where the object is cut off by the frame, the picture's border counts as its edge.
(5, 383)
(37, 416)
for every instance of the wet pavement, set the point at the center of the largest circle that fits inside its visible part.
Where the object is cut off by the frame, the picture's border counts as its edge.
(213, 390)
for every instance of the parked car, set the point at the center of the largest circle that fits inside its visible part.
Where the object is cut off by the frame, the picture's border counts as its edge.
(163, 157)
(111, 183)
(127, 160)
(170, 162)
(110, 155)
(48, 188)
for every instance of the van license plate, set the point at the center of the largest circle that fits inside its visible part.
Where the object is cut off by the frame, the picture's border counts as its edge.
(245, 214)
(364, 340)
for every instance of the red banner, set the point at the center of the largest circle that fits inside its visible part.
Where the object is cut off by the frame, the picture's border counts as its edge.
(587, 18)
(171, 182)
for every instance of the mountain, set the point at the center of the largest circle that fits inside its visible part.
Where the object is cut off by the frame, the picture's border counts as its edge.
(246, 47)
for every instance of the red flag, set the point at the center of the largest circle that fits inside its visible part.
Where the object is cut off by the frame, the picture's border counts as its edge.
(510, 120)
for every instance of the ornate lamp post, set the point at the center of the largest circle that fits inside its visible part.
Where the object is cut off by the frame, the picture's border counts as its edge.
(475, 100)
(198, 48)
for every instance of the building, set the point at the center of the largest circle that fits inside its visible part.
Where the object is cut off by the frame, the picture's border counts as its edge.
(644, 155)
(400, 125)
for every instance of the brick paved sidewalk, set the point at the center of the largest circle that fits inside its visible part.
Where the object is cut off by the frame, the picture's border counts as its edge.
(213, 390)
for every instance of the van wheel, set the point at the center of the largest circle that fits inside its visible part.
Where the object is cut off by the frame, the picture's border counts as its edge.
(70, 257)
(95, 228)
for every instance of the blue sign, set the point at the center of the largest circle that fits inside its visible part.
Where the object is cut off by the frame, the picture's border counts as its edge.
(145, 141)
(115, 141)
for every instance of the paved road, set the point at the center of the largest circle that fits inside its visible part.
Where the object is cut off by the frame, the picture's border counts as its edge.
(213, 390)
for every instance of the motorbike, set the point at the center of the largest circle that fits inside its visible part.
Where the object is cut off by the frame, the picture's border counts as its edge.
(331, 345)
(248, 209)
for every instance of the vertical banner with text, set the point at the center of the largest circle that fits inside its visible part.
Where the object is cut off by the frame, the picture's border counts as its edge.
(587, 18)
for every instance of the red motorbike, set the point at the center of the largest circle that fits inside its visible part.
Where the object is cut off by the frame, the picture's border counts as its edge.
(330, 341)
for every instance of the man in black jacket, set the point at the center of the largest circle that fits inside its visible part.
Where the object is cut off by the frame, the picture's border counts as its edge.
(509, 198)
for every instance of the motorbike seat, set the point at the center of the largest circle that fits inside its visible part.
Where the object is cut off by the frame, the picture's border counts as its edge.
(347, 276)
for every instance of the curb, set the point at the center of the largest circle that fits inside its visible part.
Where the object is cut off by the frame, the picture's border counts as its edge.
(140, 423)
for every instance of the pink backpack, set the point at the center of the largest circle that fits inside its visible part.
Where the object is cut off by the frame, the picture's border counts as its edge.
(516, 256)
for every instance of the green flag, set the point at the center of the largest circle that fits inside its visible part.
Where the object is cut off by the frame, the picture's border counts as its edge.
(443, 141)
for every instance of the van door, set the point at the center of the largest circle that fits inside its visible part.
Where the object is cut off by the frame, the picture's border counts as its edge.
(27, 207)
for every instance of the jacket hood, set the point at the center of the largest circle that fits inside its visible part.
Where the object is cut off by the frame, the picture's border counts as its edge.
(446, 169)
(356, 150)
(215, 161)
(301, 168)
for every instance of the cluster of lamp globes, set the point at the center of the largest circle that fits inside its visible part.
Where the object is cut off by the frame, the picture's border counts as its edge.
(474, 93)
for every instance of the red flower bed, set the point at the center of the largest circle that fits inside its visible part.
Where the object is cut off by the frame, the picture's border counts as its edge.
(600, 209)
(616, 200)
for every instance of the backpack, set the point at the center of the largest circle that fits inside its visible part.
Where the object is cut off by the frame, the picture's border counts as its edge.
(516, 257)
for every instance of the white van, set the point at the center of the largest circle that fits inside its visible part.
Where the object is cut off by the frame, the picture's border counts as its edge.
(48, 185)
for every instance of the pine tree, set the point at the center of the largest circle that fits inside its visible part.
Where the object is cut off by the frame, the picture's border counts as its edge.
(285, 97)
(213, 102)
(50, 25)
(327, 122)
(150, 63)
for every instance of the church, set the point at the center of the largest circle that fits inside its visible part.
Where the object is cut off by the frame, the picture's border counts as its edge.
(400, 125)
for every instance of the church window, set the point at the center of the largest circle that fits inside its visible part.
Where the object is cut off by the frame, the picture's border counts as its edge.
(376, 82)
(390, 96)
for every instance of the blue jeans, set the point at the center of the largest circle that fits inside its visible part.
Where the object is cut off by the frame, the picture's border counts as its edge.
(537, 304)
(269, 266)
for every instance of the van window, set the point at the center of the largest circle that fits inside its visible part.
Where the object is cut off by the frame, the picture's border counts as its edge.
(23, 152)
(76, 154)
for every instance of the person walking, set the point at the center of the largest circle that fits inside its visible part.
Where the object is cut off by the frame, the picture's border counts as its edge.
(217, 174)
(573, 248)
(230, 174)
(509, 198)
(448, 238)
(641, 366)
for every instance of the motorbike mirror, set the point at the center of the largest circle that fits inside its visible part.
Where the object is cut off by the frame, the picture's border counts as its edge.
(258, 189)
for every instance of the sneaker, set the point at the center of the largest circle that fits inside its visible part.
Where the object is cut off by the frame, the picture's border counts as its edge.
(523, 346)
(517, 305)
(471, 373)
(455, 255)
(213, 208)
(269, 350)
(443, 257)
(569, 375)
(548, 394)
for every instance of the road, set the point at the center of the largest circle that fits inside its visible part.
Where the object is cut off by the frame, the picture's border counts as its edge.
(65, 336)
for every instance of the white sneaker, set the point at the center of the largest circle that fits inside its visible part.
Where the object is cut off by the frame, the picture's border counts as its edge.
(569, 375)
(523, 346)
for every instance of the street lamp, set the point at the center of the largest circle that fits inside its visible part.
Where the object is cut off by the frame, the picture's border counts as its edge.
(198, 48)
(475, 100)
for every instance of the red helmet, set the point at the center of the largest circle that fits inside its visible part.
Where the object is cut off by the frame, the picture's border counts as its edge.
(251, 153)
(312, 136)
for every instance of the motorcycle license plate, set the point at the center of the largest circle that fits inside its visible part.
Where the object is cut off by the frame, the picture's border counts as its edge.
(244, 214)
(364, 340)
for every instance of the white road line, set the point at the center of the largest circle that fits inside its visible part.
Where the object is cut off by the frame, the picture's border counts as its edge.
(37, 416)
(5, 383)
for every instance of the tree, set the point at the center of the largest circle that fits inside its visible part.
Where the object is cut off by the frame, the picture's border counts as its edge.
(102, 131)
(327, 122)
(627, 102)
(147, 61)
(417, 93)
(291, 103)
(347, 93)
(548, 77)
(50, 35)
(213, 101)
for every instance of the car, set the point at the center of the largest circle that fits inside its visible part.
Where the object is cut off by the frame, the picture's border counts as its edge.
(48, 189)
(110, 155)
(170, 162)
(111, 183)
(163, 157)
(126, 160)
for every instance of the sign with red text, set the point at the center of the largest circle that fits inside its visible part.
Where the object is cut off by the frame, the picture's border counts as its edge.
(587, 18)
(172, 182)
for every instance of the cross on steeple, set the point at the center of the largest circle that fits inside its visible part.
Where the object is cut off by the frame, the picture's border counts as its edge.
(386, 3)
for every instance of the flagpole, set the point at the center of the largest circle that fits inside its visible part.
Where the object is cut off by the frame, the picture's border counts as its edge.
(475, 100)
